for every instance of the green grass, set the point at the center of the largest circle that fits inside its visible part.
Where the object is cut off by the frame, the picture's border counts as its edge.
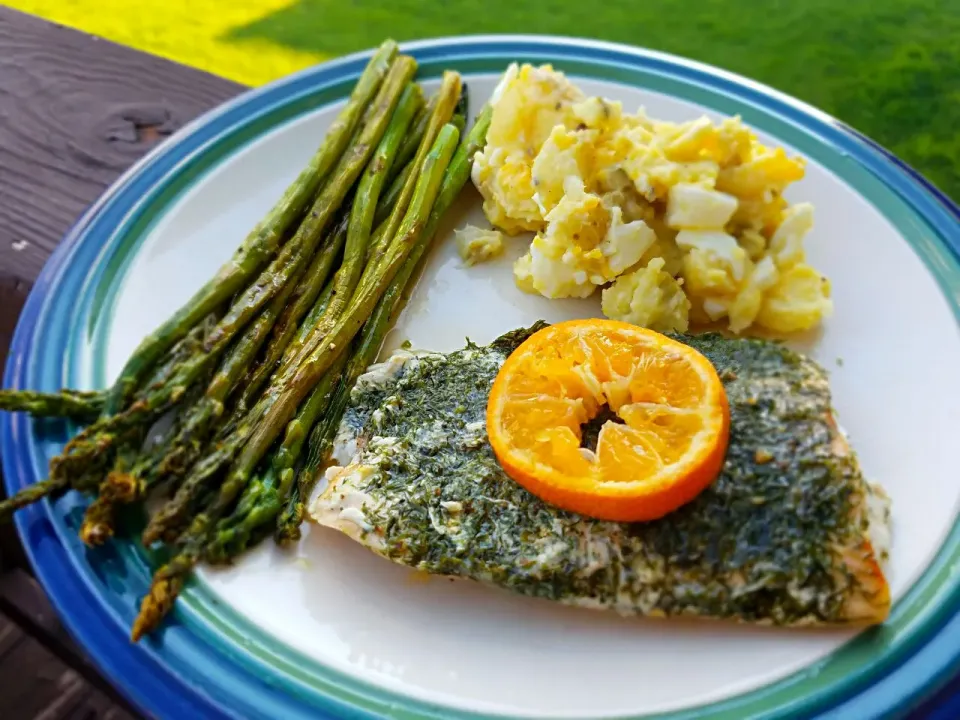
(890, 68)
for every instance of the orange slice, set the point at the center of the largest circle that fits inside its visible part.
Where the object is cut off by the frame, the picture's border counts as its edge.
(667, 441)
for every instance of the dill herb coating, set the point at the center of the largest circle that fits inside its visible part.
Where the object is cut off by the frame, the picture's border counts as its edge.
(783, 535)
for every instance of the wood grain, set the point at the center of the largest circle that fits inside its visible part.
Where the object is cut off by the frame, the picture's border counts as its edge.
(75, 112)
(13, 293)
(44, 673)
(37, 685)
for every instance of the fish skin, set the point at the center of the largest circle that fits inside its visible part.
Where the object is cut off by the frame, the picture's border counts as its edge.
(790, 533)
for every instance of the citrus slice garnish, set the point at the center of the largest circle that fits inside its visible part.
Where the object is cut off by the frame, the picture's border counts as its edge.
(666, 415)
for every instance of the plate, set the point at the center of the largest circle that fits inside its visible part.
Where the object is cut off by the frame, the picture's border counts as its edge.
(332, 630)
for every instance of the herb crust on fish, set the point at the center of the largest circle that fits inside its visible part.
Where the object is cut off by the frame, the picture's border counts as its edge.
(790, 533)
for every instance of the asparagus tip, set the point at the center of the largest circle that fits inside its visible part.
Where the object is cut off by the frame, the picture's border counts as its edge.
(219, 551)
(152, 533)
(155, 606)
(288, 529)
(95, 533)
(123, 486)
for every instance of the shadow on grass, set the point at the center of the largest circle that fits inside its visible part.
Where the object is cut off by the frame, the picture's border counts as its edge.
(886, 67)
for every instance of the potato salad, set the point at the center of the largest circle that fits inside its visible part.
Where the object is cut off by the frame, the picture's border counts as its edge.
(675, 223)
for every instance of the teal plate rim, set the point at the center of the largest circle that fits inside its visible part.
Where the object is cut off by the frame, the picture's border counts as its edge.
(210, 662)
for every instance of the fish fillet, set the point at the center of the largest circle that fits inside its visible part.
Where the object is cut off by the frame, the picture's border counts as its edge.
(790, 533)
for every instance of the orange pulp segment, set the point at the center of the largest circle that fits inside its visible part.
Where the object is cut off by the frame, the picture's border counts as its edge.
(668, 441)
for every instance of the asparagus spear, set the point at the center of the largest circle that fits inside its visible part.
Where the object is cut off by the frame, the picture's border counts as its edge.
(458, 173)
(308, 324)
(196, 429)
(460, 112)
(267, 285)
(97, 525)
(134, 469)
(262, 241)
(321, 437)
(413, 140)
(460, 161)
(374, 330)
(182, 352)
(185, 349)
(304, 332)
(175, 513)
(84, 449)
(74, 404)
(29, 495)
(184, 364)
(84, 482)
(403, 165)
(66, 473)
(306, 237)
(382, 237)
(303, 301)
(265, 496)
(137, 469)
(391, 196)
(386, 203)
(267, 424)
(301, 246)
(199, 484)
(280, 410)
(123, 488)
(448, 97)
(361, 216)
(359, 225)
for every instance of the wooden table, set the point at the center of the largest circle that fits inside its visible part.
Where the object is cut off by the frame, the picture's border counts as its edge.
(75, 112)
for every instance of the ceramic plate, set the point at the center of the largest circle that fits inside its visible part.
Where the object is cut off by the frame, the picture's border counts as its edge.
(332, 630)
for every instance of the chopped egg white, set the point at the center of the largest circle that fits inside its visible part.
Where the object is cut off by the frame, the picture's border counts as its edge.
(786, 245)
(477, 245)
(585, 244)
(696, 207)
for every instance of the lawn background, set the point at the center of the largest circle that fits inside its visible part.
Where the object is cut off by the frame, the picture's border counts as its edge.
(890, 68)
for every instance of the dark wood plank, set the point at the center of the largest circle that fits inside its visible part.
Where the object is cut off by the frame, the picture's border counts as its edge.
(75, 112)
(24, 604)
(37, 685)
(13, 293)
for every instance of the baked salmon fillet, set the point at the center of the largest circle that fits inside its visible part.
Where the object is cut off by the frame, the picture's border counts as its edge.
(790, 533)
